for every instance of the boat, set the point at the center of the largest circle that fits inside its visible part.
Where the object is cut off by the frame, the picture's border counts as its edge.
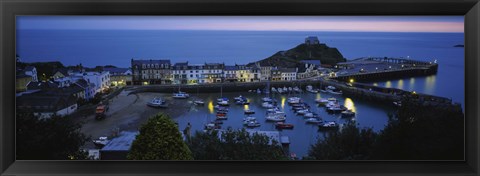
(157, 103)
(308, 114)
(303, 112)
(248, 111)
(333, 90)
(296, 89)
(267, 99)
(280, 90)
(274, 90)
(101, 141)
(222, 117)
(323, 90)
(259, 91)
(199, 102)
(328, 125)
(276, 117)
(293, 100)
(285, 89)
(181, 95)
(252, 124)
(267, 105)
(281, 125)
(290, 89)
(313, 120)
(348, 113)
(212, 126)
(336, 109)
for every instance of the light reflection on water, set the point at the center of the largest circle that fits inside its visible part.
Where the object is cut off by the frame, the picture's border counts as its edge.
(388, 84)
(210, 106)
(430, 84)
(411, 84)
(400, 84)
(349, 104)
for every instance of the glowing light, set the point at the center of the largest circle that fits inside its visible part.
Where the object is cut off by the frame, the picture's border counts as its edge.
(375, 84)
(283, 102)
(430, 84)
(400, 84)
(349, 104)
(351, 80)
(210, 107)
(412, 83)
(388, 84)
(414, 92)
(245, 107)
(318, 96)
(435, 61)
(390, 67)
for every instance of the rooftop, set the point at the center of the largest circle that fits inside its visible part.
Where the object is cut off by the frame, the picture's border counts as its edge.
(122, 142)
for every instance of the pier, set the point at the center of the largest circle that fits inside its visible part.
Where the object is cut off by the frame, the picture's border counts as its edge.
(375, 69)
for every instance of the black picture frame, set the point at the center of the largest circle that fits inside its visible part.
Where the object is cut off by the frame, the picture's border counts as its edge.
(11, 8)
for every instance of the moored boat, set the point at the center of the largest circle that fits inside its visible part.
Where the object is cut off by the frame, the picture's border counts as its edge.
(348, 113)
(313, 121)
(157, 103)
(248, 111)
(328, 125)
(281, 125)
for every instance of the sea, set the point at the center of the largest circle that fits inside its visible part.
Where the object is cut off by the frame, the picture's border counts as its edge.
(118, 47)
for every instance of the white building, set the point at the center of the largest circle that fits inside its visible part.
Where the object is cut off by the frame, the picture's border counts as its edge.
(100, 79)
(288, 74)
(31, 71)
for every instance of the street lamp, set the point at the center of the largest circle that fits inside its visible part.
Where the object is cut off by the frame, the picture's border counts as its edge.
(351, 80)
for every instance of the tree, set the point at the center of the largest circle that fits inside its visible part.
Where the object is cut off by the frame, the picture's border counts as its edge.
(351, 143)
(159, 139)
(428, 132)
(234, 145)
(55, 138)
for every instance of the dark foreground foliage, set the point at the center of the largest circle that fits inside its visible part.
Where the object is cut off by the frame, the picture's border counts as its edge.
(159, 139)
(55, 138)
(413, 133)
(234, 145)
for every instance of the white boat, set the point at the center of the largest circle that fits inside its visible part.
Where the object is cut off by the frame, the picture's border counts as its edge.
(303, 111)
(222, 117)
(267, 99)
(157, 103)
(199, 102)
(276, 117)
(328, 125)
(333, 90)
(296, 89)
(239, 98)
(248, 111)
(274, 90)
(285, 89)
(313, 120)
(290, 89)
(267, 105)
(101, 141)
(308, 114)
(348, 113)
(181, 95)
(293, 100)
(259, 91)
(280, 90)
(223, 103)
(252, 124)
(311, 90)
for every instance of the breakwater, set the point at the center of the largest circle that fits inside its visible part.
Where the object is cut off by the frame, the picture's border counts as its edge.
(375, 75)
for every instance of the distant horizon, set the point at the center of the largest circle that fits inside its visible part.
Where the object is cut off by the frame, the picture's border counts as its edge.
(213, 30)
(250, 23)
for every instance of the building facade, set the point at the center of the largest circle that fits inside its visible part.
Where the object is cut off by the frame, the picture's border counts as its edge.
(119, 76)
(147, 72)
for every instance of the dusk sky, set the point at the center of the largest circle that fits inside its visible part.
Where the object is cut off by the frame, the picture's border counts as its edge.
(249, 23)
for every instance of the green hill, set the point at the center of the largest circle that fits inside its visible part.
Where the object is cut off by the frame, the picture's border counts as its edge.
(292, 57)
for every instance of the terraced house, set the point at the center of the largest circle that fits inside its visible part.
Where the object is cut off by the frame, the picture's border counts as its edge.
(147, 72)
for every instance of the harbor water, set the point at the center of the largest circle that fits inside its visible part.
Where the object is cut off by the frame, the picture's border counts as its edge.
(303, 135)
